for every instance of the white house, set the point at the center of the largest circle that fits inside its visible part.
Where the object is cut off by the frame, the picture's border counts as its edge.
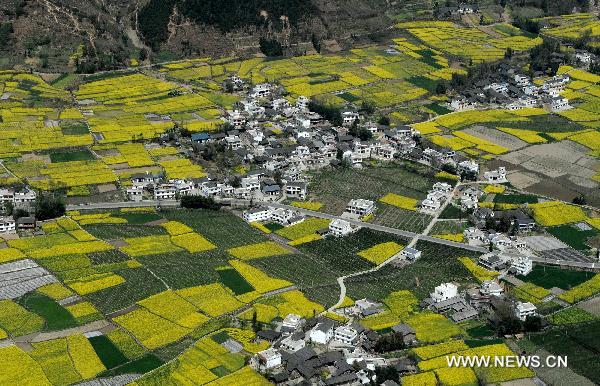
(345, 334)
(292, 321)
(257, 214)
(349, 117)
(261, 90)
(339, 228)
(429, 206)
(269, 358)
(523, 310)
(296, 189)
(443, 292)
(135, 193)
(252, 183)
(522, 264)
(521, 80)
(559, 103)
(322, 333)
(292, 344)
(360, 207)
(165, 192)
(491, 288)
(7, 225)
(24, 197)
(411, 254)
(468, 166)
(583, 56)
(302, 102)
(283, 216)
(496, 176)
(443, 187)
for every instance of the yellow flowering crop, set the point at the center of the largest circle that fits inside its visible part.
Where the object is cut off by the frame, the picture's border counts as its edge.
(457, 376)
(456, 237)
(212, 299)
(18, 321)
(432, 327)
(56, 291)
(305, 228)
(173, 307)
(192, 242)
(421, 379)
(71, 249)
(480, 273)
(310, 205)
(10, 254)
(306, 239)
(582, 291)
(151, 330)
(294, 302)
(403, 202)
(256, 251)
(175, 228)
(53, 356)
(426, 128)
(556, 213)
(94, 283)
(83, 311)
(261, 227)
(436, 350)
(482, 144)
(589, 139)
(84, 357)
(494, 189)
(20, 369)
(379, 253)
(258, 279)
(149, 245)
(530, 292)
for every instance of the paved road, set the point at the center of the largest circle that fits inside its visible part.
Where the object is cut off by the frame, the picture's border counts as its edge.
(380, 228)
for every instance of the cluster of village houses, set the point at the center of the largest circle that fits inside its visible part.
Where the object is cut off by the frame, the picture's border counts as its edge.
(17, 199)
(273, 136)
(511, 90)
(322, 351)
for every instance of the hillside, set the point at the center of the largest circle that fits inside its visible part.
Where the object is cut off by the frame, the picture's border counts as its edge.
(104, 34)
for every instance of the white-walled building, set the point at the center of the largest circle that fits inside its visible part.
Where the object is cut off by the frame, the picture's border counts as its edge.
(491, 288)
(523, 310)
(522, 264)
(339, 228)
(345, 334)
(7, 225)
(269, 358)
(292, 321)
(443, 292)
(322, 333)
(165, 192)
(360, 207)
(257, 214)
(496, 176)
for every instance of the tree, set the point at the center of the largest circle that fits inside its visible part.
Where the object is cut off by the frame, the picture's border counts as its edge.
(388, 373)
(17, 214)
(49, 206)
(580, 200)
(441, 88)
(390, 342)
(271, 47)
(384, 120)
(367, 107)
(199, 202)
(508, 54)
(533, 323)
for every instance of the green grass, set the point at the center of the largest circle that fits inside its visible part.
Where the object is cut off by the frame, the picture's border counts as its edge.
(107, 257)
(549, 123)
(549, 277)
(183, 269)
(423, 82)
(74, 128)
(482, 331)
(142, 365)
(438, 264)
(139, 284)
(437, 108)
(581, 344)
(482, 342)
(220, 371)
(236, 282)
(515, 199)
(221, 227)
(274, 227)
(121, 231)
(71, 155)
(572, 236)
(220, 337)
(139, 218)
(453, 212)
(56, 317)
(108, 353)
